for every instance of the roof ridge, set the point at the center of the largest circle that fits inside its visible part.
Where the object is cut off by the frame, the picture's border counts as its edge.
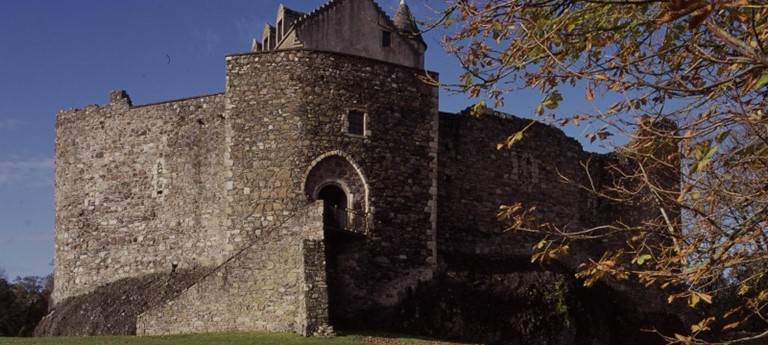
(332, 3)
(314, 13)
(292, 11)
(386, 16)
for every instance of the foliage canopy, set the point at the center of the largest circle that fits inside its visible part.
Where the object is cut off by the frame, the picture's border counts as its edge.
(23, 303)
(690, 83)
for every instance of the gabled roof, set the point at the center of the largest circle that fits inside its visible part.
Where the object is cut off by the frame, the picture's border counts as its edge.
(292, 11)
(388, 21)
(316, 12)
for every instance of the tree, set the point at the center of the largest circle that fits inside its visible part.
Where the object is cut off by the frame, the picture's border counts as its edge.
(8, 315)
(23, 304)
(689, 80)
(32, 301)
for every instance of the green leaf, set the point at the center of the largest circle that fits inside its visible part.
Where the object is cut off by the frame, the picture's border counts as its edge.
(479, 109)
(641, 259)
(515, 138)
(705, 160)
(762, 81)
(722, 136)
(552, 101)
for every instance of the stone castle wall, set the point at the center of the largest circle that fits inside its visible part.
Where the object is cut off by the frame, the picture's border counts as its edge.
(475, 178)
(137, 190)
(227, 184)
(274, 284)
(193, 183)
(287, 112)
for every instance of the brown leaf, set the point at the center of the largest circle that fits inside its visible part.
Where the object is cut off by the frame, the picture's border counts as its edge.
(749, 85)
(698, 17)
(590, 95)
(678, 9)
(738, 3)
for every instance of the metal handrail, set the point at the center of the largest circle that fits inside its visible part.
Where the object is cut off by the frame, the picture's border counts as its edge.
(350, 220)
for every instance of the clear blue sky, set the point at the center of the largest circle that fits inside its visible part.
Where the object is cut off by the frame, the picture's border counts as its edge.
(68, 54)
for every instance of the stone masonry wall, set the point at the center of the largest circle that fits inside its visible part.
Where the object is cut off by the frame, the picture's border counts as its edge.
(137, 190)
(286, 109)
(475, 179)
(189, 183)
(274, 284)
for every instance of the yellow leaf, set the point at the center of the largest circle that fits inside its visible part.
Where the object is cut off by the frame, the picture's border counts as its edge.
(693, 300)
(479, 109)
(731, 312)
(743, 289)
(685, 192)
(703, 325)
(705, 297)
(731, 326)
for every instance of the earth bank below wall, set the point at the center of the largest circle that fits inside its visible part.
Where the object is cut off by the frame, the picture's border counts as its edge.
(112, 309)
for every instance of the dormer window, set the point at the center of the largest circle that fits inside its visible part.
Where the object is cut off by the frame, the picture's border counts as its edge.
(355, 122)
(386, 38)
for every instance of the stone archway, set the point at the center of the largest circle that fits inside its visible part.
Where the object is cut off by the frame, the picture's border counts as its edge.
(337, 180)
(339, 170)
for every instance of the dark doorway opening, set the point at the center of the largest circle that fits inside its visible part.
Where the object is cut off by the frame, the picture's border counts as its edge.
(335, 209)
(339, 248)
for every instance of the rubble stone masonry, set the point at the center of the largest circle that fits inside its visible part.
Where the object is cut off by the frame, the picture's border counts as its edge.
(191, 183)
(320, 188)
(137, 190)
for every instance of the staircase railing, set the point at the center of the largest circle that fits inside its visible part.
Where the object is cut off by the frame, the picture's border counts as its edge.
(342, 219)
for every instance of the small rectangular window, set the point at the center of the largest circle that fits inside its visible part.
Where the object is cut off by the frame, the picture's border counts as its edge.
(386, 38)
(356, 122)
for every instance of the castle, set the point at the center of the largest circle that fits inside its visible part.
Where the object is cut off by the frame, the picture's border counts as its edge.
(321, 185)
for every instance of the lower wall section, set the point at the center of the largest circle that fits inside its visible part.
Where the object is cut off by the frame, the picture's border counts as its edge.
(508, 300)
(276, 284)
(314, 298)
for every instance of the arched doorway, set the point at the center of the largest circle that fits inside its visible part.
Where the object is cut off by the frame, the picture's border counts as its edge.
(334, 221)
(335, 209)
(340, 183)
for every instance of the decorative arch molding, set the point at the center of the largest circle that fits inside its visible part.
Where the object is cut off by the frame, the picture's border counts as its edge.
(343, 184)
(334, 182)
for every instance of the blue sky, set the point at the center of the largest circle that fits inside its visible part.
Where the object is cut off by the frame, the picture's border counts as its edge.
(58, 55)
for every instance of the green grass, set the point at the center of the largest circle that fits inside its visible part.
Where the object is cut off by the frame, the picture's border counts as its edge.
(218, 338)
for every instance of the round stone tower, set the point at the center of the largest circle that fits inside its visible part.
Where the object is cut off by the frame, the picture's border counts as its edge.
(356, 132)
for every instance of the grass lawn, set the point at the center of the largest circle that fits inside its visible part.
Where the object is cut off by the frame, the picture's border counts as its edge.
(220, 338)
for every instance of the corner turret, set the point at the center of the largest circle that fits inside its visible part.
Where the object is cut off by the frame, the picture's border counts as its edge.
(404, 21)
(406, 25)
